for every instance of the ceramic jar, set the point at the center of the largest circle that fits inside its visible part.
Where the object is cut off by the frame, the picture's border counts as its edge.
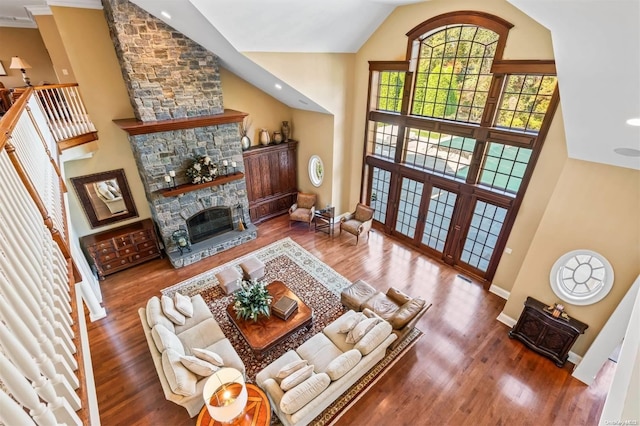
(245, 142)
(277, 137)
(265, 139)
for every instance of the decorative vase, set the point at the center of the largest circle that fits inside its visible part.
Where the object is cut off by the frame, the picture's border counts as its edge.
(277, 137)
(286, 131)
(245, 142)
(264, 137)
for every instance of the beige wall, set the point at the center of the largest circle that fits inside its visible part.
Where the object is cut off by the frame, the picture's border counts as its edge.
(55, 47)
(594, 206)
(85, 36)
(327, 79)
(27, 44)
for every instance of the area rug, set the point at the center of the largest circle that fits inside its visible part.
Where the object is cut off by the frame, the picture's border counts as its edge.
(314, 282)
(319, 286)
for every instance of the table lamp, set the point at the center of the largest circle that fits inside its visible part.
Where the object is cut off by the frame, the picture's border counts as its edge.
(225, 395)
(20, 64)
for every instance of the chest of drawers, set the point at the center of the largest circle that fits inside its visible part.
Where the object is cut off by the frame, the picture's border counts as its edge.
(121, 248)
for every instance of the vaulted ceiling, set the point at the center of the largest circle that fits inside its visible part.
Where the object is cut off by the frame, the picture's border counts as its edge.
(596, 48)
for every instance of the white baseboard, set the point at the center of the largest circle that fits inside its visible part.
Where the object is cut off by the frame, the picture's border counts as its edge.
(574, 358)
(499, 292)
(506, 319)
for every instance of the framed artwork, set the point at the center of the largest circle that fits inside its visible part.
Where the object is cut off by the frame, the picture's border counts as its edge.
(2, 71)
(105, 197)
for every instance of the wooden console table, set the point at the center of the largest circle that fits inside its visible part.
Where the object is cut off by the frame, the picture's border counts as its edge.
(545, 334)
(121, 248)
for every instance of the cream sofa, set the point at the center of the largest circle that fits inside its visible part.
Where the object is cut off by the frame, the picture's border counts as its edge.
(331, 356)
(200, 331)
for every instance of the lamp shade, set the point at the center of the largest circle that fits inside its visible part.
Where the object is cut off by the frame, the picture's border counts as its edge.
(18, 63)
(225, 395)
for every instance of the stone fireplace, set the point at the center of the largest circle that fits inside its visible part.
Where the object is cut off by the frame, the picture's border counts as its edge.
(175, 89)
(209, 223)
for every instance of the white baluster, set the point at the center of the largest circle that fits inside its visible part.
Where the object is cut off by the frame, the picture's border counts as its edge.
(11, 413)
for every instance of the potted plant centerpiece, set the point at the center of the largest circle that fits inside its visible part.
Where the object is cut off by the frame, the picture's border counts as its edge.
(252, 300)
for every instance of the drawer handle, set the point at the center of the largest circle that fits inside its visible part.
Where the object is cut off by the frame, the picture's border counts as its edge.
(123, 261)
(127, 251)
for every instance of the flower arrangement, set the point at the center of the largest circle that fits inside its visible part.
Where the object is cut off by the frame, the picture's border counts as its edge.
(202, 170)
(252, 300)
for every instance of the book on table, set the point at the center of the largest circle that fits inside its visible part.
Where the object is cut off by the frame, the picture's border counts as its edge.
(284, 307)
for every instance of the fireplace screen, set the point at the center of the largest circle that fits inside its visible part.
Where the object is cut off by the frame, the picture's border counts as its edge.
(209, 223)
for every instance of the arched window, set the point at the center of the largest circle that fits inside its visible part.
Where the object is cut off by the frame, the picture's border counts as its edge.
(453, 134)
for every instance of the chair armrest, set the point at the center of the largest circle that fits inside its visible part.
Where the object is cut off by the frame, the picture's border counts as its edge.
(413, 321)
(347, 217)
(293, 208)
(312, 211)
(398, 296)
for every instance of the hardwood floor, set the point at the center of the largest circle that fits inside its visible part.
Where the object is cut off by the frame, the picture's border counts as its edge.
(464, 370)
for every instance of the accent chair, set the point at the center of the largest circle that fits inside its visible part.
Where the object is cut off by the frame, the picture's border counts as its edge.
(304, 209)
(359, 222)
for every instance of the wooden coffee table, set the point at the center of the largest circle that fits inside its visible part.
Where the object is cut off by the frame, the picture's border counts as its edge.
(256, 413)
(265, 333)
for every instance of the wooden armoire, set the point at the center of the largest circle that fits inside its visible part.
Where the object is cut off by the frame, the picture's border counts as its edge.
(271, 174)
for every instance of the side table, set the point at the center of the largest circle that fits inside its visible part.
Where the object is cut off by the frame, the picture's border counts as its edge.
(256, 413)
(324, 220)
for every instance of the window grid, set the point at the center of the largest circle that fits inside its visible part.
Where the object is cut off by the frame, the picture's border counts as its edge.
(439, 152)
(484, 230)
(390, 88)
(409, 207)
(524, 102)
(504, 167)
(380, 193)
(454, 73)
(384, 138)
(438, 219)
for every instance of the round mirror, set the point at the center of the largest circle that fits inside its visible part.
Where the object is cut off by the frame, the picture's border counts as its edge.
(316, 170)
(581, 277)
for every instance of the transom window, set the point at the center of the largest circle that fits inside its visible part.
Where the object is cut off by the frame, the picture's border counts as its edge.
(454, 73)
(439, 152)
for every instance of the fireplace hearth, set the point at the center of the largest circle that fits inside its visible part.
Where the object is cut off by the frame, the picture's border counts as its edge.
(209, 222)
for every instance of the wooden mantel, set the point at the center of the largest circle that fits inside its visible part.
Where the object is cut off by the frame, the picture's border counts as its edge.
(136, 127)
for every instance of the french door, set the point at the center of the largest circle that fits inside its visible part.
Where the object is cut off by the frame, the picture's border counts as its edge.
(461, 229)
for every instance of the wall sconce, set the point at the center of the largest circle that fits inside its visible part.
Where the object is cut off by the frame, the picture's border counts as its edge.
(20, 64)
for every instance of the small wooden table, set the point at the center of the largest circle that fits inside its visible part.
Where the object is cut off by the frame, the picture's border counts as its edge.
(325, 220)
(263, 334)
(256, 413)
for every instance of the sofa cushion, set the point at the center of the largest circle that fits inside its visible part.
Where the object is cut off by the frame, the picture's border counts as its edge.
(208, 356)
(181, 380)
(305, 392)
(291, 368)
(169, 309)
(361, 329)
(155, 315)
(183, 304)
(381, 305)
(343, 364)
(198, 366)
(201, 335)
(301, 214)
(406, 313)
(201, 312)
(373, 338)
(228, 354)
(319, 351)
(165, 339)
(332, 331)
(297, 377)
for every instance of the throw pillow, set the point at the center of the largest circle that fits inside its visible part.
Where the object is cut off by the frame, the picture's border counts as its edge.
(373, 338)
(183, 304)
(165, 339)
(155, 315)
(199, 366)
(297, 377)
(208, 356)
(351, 322)
(181, 380)
(361, 329)
(170, 311)
(343, 364)
(290, 368)
(296, 398)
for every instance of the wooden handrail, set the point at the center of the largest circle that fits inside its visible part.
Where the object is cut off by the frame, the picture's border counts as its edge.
(9, 121)
(55, 86)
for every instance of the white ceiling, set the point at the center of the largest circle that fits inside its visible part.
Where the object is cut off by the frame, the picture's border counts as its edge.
(596, 45)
